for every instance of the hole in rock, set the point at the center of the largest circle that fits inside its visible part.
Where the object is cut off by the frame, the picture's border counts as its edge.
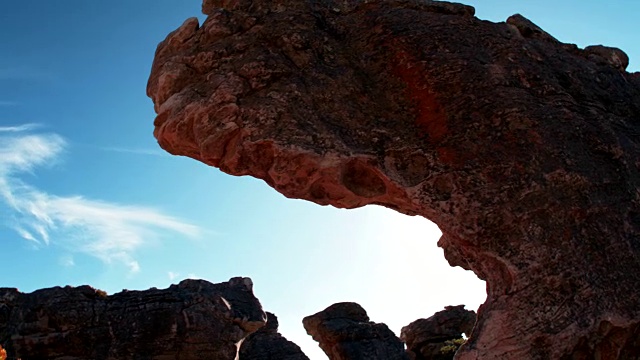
(303, 257)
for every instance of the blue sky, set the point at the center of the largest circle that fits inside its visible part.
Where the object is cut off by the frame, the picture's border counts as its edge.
(87, 196)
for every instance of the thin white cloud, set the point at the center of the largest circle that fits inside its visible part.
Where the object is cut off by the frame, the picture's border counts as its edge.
(108, 231)
(26, 235)
(18, 128)
(67, 261)
(172, 275)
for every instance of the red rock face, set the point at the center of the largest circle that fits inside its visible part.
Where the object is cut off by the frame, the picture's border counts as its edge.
(522, 149)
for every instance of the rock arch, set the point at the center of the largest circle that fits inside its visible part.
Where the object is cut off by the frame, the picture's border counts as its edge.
(523, 150)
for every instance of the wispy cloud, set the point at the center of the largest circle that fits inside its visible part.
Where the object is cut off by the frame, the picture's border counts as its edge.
(172, 275)
(67, 261)
(109, 231)
(18, 128)
(8, 103)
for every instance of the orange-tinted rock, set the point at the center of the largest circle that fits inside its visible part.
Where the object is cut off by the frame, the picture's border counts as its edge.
(522, 149)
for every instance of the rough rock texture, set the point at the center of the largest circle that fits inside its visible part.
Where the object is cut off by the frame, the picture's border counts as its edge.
(192, 320)
(344, 332)
(268, 344)
(522, 149)
(426, 337)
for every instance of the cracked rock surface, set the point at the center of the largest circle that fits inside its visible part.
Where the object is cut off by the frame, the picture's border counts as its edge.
(190, 321)
(523, 150)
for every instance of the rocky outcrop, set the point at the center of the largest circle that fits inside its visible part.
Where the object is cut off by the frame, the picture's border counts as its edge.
(425, 338)
(268, 344)
(344, 332)
(192, 320)
(523, 150)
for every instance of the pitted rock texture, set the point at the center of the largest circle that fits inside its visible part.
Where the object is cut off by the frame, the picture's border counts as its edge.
(426, 337)
(523, 150)
(344, 332)
(192, 320)
(268, 344)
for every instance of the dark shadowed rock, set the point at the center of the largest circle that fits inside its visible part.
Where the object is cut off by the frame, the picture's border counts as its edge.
(522, 149)
(426, 337)
(268, 344)
(192, 320)
(608, 55)
(528, 29)
(344, 332)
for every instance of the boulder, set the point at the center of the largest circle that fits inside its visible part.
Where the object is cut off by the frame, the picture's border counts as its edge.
(344, 332)
(426, 338)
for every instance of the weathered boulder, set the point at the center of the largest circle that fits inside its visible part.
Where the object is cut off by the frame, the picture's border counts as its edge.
(192, 320)
(425, 338)
(268, 344)
(344, 332)
(522, 149)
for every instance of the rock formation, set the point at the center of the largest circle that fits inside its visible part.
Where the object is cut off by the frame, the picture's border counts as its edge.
(268, 344)
(192, 320)
(344, 332)
(425, 338)
(523, 150)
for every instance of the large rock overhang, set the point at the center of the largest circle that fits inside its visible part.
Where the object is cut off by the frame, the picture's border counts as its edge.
(523, 150)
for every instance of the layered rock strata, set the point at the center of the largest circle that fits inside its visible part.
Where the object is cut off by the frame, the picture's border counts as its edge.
(344, 332)
(268, 344)
(190, 321)
(425, 338)
(523, 150)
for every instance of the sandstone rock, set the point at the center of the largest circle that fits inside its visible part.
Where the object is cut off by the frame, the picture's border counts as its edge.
(192, 320)
(268, 344)
(426, 337)
(524, 151)
(609, 55)
(344, 332)
(528, 29)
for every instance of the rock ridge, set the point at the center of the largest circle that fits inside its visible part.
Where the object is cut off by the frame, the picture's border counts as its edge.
(194, 319)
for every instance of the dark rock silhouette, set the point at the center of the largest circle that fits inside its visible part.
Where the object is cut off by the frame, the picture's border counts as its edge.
(523, 150)
(192, 320)
(344, 332)
(268, 344)
(425, 338)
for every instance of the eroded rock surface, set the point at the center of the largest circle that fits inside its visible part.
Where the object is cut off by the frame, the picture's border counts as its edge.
(268, 344)
(425, 338)
(344, 332)
(192, 320)
(523, 150)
